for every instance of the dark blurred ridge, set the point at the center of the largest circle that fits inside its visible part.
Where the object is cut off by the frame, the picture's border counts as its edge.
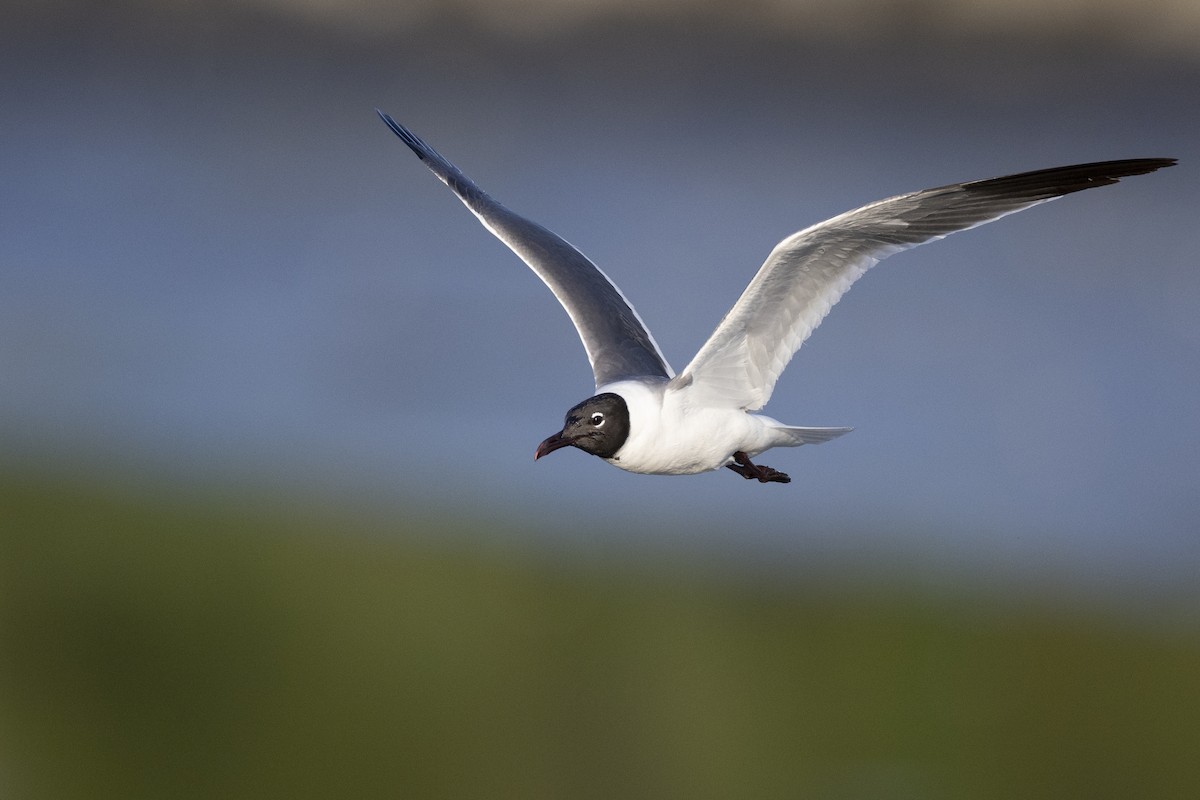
(1149, 27)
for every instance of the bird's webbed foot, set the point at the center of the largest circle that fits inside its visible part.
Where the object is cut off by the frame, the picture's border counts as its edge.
(749, 470)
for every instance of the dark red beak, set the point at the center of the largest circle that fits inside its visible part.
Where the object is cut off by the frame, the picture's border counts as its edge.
(555, 442)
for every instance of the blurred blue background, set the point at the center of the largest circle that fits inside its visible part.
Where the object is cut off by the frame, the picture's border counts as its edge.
(220, 273)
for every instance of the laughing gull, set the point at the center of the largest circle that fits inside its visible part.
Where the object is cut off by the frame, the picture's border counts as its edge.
(645, 418)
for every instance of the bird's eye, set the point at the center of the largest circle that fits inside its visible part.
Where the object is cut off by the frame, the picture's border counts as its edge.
(597, 419)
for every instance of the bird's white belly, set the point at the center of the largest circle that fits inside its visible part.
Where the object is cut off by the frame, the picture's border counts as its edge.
(669, 436)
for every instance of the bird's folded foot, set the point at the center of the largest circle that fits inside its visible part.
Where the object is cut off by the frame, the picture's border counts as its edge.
(748, 470)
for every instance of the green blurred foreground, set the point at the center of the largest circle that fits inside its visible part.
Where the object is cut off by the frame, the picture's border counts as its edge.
(175, 648)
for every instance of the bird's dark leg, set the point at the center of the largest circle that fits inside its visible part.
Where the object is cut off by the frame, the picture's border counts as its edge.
(748, 470)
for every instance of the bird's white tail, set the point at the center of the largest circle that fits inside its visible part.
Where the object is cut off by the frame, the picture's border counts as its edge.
(798, 436)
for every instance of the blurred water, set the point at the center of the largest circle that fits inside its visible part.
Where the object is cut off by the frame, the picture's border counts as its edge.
(216, 261)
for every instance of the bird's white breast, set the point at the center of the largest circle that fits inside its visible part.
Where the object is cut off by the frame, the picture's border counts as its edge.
(670, 435)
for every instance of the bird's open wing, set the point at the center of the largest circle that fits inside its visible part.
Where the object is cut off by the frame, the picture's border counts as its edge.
(809, 271)
(617, 342)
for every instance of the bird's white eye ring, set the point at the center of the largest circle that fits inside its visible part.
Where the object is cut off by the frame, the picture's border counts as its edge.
(597, 419)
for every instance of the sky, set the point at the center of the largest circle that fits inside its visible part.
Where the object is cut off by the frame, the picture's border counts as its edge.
(219, 266)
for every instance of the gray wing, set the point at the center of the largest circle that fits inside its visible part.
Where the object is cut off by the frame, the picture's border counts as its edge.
(617, 342)
(808, 272)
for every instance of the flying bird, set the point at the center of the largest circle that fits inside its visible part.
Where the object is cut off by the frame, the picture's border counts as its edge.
(644, 417)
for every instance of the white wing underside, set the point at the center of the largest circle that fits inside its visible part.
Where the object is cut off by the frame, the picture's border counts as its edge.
(808, 272)
(795, 289)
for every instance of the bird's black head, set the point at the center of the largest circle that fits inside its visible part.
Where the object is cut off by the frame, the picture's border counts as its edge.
(598, 425)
